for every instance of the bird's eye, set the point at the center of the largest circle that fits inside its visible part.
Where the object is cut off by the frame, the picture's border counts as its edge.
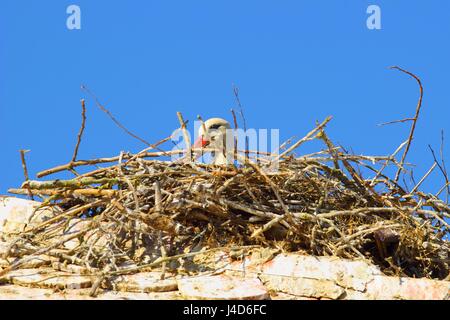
(214, 127)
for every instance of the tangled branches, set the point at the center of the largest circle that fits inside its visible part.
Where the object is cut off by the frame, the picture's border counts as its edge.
(116, 219)
(141, 213)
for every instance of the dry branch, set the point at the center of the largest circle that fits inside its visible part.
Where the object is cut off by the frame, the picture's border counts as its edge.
(414, 120)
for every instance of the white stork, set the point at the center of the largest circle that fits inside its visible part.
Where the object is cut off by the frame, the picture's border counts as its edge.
(213, 134)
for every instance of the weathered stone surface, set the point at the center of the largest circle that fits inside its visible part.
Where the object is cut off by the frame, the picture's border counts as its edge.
(286, 296)
(352, 274)
(218, 287)
(16, 214)
(303, 287)
(355, 295)
(383, 287)
(12, 292)
(145, 282)
(15, 292)
(71, 268)
(222, 287)
(328, 277)
(309, 276)
(114, 295)
(334, 278)
(46, 278)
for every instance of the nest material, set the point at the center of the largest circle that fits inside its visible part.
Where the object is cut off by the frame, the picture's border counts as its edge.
(141, 214)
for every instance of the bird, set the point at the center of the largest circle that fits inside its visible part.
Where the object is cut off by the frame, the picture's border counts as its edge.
(213, 134)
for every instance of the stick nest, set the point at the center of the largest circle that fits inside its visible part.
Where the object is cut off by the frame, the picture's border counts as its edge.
(141, 213)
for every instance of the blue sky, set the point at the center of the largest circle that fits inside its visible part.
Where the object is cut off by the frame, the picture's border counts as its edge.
(294, 61)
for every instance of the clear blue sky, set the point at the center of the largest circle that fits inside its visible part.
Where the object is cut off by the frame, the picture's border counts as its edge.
(294, 61)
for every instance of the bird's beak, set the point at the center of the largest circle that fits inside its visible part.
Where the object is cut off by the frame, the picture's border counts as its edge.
(201, 142)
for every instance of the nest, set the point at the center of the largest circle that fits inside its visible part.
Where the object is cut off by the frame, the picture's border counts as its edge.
(142, 213)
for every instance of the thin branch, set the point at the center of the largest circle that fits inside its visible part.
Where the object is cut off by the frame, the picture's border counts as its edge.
(387, 162)
(78, 163)
(395, 121)
(305, 138)
(157, 187)
(241, 112)
(80, 133)
(414, 121)
(97, 102)
(187, 141)
(200, 154)
(423, 178)
(235, 128)
(25, 171)
(442, 169)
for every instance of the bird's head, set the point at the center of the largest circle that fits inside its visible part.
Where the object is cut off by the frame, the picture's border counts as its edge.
(212, 133)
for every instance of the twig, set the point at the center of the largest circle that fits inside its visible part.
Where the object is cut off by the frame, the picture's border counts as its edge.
(92, 192)
(201, 152)
(80, 133)
(414, 121)
(25, 171)
(74, 183)
(18, 263)
(104, 160)
(163, 255)
(395, 121)
(331, 148)
(444, 169)
(241, 112)
(392, 156)
(305, 138)
(187, 141)
(97, 102)
(157, 197)
(235, 136)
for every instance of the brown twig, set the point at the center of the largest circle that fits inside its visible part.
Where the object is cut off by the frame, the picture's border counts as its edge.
(25, 171)
(235, 136)
(444, 169)
(187, 141)
(395, 121)
(441, 167)
(305, 138)
(414, 121)
(80, 133)
(92, 192)
(241, 112)
(110, 115)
